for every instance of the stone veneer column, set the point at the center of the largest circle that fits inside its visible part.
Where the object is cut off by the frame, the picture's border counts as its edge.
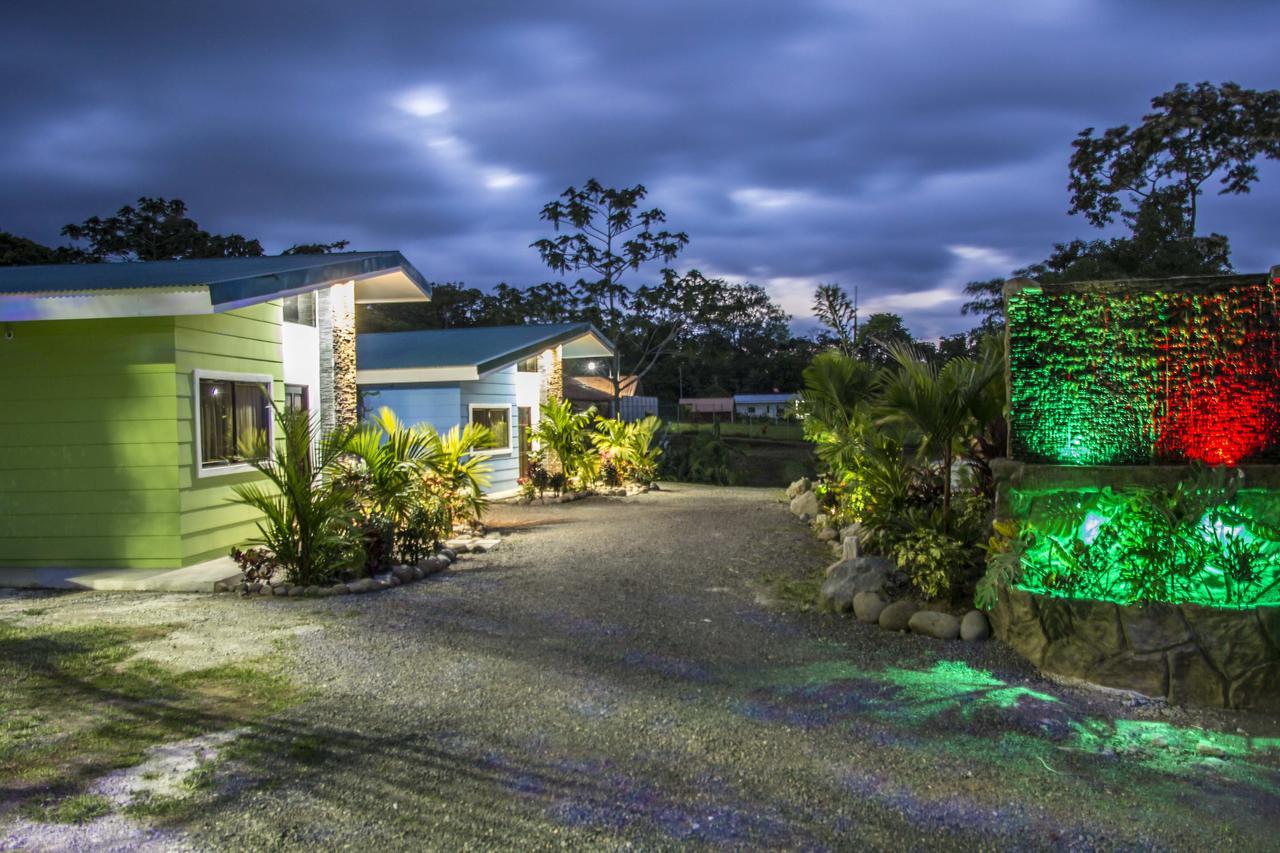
(324, 329)
(345, 397)
(555, 382)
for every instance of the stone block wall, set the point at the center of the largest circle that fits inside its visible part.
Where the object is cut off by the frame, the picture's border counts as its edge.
(1182, 653)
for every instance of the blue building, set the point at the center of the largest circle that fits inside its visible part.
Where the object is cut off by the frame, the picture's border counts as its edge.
(497, 376)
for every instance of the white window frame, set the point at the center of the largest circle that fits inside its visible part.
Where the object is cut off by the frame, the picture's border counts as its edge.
(197, 442)
(511, 442)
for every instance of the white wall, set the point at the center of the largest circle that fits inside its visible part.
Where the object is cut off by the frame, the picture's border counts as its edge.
(302, 359)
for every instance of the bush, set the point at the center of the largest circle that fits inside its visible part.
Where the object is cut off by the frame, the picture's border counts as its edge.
(306, 510)
(427, 524)
(932, 561)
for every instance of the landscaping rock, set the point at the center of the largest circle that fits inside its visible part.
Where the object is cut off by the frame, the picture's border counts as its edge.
(404, 574)
(340, 589)
(449, 554)
(941, 626)
(897, 616)
(483, 546)
(1146, 674)
(851, 541)
(418, 573)
(433, 565)
(1154, 627)
(867, 606)
(360, 586)
(805, 505)
(280, 590)
(311, 590)
(1233, 644)
(799, 487)
(827, 534)
(295, 591)
(974, 626)
(847, 578)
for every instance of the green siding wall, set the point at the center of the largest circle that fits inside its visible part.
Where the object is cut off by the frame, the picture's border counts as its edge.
(89, 444)
(97, 460)
(247, 340)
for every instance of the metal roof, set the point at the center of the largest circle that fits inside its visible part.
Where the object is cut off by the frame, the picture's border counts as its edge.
(484, 347)
(230, 280)
(763, 398)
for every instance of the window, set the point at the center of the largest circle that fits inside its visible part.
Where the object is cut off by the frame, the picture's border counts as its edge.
(529, 365)
(234, 420)
(498, 420)
(296, 398)
(300, 308)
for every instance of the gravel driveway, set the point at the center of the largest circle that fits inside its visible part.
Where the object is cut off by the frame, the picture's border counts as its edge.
(614, 675)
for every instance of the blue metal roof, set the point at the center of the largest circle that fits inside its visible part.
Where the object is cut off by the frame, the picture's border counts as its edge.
(763, 398)
(230, 280)
(486, 347)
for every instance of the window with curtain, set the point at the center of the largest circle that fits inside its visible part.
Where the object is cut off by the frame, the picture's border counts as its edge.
(235, 419)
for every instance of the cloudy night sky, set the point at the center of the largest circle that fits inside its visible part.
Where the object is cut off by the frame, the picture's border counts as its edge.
(904, 148)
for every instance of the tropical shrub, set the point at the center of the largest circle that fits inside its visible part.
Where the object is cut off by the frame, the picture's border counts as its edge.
(426, 526)
(563, 437)
(460, 475)
(702, 457)
(629, 447)
(306, 509)
(932, 561)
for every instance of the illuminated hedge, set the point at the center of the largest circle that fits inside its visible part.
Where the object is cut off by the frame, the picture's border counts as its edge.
(1194, 544)
(1132, 373)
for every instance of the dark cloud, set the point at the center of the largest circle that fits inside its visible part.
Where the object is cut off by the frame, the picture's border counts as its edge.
(902, 148)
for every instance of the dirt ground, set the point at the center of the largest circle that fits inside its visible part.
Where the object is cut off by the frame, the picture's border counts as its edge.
(616, 674)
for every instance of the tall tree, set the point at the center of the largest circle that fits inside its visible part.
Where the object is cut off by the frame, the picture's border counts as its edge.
(877, 337)
(838, 313)
(1192, 135)
(608, 234)
(156, 230)
(18, 251)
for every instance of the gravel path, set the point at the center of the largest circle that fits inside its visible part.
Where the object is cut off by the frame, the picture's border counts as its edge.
(614, 675)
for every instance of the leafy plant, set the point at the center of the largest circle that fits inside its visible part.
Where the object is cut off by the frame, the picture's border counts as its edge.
(564, 438)
(427, 524)
(932, 561)
(258, 565)
(306, 510)
(460, 474)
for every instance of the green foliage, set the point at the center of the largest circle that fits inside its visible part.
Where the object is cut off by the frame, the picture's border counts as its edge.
(835, 310)
(1202, 541)
(629, 447)
(702, 457)
(306, 510)
(427, 524)
(564, 437)
(932, 561)
(460, 474)
(936, 405)
(156, 230)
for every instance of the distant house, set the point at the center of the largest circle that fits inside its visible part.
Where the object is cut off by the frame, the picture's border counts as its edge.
(497, 376)
(127, 391)
(771, 406)
(587, 391)
(708, 408)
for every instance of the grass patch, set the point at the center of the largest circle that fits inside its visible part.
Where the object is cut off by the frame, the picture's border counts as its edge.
(73, 706)
(80, 808)
(797, 593)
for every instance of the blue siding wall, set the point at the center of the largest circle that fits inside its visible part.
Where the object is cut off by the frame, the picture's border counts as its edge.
(497, 389)
(444, 406)
(415, 404)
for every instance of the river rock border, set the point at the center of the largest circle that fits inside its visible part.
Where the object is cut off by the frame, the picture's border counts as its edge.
(1185, 654)
(398, 576)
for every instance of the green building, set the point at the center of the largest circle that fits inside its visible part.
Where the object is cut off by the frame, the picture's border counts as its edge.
(125, 389)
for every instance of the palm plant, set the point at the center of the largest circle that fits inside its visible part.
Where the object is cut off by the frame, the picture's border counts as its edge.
(461, 474)
(629, 446)
(835, 405)
(936, 405)
(305, 509)
(392, 458)
(563, 433)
